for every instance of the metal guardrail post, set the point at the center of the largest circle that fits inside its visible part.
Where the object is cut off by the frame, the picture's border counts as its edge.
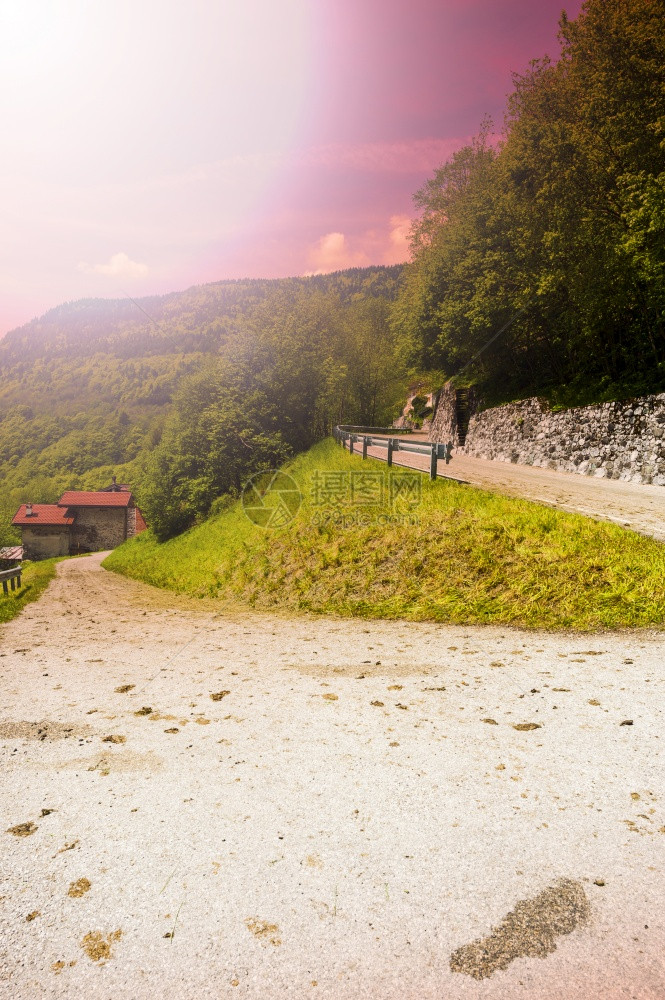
(390, 451)
(364, 446)
(11, 576)
(352, 438)
(434, 454)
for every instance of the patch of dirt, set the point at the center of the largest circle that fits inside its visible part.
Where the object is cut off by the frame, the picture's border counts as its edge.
(525, 727)
(98, 946)
(67, 847)
(528, 931)
(265, 932)
(22, 829)
(33, 915)
(44, 730)
(79, 888)
(219, 695)
(114, 739)
(124, 688)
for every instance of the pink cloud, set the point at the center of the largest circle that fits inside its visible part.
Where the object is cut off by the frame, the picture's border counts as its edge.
(335, 251)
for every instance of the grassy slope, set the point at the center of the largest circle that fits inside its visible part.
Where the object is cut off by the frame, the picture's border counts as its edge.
(34, 581)
(474, 557)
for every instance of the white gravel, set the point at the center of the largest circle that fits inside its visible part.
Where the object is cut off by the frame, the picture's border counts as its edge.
(304, 846)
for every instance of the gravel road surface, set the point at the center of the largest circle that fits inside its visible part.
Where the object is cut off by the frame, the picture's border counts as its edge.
(206, 805)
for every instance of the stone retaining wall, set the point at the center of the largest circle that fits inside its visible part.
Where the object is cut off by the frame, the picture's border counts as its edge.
(619, 440)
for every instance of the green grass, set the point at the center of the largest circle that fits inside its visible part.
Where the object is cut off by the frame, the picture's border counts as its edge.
(473, 557)
(35, 578)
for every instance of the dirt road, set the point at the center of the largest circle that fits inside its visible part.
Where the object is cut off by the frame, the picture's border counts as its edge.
(198, 806)
(632, 505)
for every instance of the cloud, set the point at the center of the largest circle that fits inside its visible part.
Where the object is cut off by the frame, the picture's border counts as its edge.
(333, 253)
(119, 266)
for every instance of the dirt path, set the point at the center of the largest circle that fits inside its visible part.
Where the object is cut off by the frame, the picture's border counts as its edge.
(350, 814)
(632, 505)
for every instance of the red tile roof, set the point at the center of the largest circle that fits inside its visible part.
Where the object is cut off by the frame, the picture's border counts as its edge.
(94, 499)
(43, 513)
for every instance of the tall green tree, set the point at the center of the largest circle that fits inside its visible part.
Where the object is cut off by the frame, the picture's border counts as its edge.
(558, 226)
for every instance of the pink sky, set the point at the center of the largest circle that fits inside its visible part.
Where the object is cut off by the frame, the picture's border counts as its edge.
(148, 147)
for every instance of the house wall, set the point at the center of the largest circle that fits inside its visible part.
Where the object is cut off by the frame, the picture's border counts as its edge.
(135, 522)
(45, 542)
(98, 528)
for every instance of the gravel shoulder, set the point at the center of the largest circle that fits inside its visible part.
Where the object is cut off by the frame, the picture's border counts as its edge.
(347, 817)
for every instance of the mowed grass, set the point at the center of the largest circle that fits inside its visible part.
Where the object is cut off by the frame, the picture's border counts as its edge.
(35, 578)
(456, 554)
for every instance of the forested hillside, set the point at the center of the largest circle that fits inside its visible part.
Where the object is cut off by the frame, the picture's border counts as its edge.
(222, 372)
(556, 233)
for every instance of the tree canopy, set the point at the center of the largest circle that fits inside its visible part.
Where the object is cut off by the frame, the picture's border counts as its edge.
(558, 228)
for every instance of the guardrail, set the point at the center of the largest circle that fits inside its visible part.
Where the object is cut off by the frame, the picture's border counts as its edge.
(10, 576)
(343, 433)
(366, 429)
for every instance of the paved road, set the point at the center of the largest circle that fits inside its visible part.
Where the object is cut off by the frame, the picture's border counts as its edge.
(353, 811)
(632, 505)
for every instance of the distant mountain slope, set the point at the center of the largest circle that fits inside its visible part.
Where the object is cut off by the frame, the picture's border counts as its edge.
(85, 389)
(197, 319)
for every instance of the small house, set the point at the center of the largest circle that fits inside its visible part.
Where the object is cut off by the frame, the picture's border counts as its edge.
(81, 521)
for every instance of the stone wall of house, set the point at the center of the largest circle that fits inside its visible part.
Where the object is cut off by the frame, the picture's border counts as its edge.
(44, 542)
(98, 528)
(618, 440)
